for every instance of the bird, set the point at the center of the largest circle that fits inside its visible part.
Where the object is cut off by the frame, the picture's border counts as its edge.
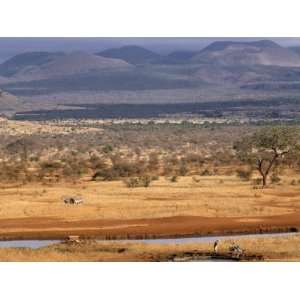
(216, 245)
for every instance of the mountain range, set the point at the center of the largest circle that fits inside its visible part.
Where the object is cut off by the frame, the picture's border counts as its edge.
(241, 66)
(43, 65)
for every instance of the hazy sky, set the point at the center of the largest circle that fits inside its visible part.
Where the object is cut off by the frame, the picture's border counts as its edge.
(13, 46)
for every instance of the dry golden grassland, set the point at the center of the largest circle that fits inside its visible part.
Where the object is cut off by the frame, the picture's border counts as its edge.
(215, 204)
(61, 159)
(212, 196)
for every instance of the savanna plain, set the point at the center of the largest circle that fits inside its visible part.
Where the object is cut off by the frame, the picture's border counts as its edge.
(132, 152)
(99, 189)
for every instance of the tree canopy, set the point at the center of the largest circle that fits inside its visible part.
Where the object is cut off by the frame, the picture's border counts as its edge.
(266, 147)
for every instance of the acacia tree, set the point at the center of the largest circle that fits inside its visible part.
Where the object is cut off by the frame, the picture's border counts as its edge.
(267, 147)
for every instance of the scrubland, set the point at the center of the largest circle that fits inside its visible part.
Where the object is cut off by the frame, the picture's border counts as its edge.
(137, 181)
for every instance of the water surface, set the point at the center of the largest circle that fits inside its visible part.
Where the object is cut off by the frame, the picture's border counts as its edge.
(35, 244)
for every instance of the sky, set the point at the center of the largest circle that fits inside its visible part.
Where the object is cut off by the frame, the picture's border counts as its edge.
(12, 46)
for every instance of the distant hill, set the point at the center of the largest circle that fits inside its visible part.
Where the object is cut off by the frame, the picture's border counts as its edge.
(131, 54)
(295, 49)
(44, 65)
(262, 52)
(176, 57)
(126, 80)
(9, 103)
(26, 60)
(134, 73)
(182, 55)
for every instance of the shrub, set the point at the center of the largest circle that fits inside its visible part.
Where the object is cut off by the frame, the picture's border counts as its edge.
(244, 174)
(127, 169)
(183, 170)
(168, 170)
(275, 178)
(153, 163)
(107, 148)
(173, 178)
(205, 173)
(97, 163)
(257, 181)
(134, 182)
(120, 169)
(17, 171)
(105, 174)
(194, 158)
(50, 165)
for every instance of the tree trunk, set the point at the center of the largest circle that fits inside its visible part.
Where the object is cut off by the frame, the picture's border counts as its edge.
(264, 180)
(265, 173)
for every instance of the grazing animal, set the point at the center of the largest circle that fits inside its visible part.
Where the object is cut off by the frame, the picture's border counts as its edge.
(236, 250)
(72, 200)
(216, 246)
(73, 239)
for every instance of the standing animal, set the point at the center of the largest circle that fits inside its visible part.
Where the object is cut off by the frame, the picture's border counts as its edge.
(216, 246)
(72, 200)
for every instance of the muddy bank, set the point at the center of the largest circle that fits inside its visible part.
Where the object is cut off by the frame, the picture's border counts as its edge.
(208, 256)
(172, 227)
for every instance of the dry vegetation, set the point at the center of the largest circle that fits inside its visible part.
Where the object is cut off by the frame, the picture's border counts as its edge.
(114, 200)
(271, 249)
(137, 180)
(66, 151)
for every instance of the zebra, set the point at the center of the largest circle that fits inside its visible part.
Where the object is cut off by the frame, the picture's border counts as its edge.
(72, 199)
(236, 250)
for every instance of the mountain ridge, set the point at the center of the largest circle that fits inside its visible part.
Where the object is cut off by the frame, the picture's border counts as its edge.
(132, 54)
(263, 52)
(43, 65)
(239, 67)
